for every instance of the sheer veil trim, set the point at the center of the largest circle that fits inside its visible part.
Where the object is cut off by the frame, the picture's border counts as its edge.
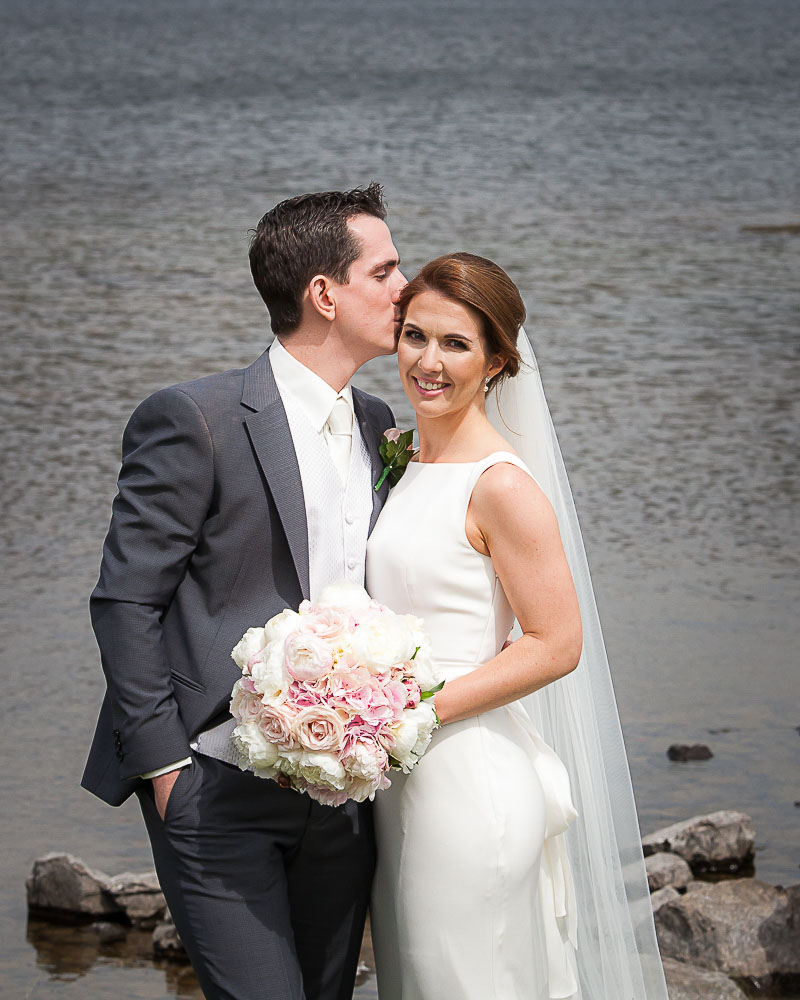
(617, 952)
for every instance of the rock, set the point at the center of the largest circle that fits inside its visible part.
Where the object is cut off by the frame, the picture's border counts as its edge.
(662, 896)
(62, 886)
(722, 841)
(166, 942)
(741, 927)
(687, 982)
(785, 227)
(686, 751)
(667, 869)
(139, 896)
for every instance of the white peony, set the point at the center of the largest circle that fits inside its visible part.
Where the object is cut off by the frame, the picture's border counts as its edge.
(425, 718)
(268, 673)
(343, 594)
(324, 769)
(256, 750)
(252, 642)
(413, 734)
(382, 641)
(280, 625)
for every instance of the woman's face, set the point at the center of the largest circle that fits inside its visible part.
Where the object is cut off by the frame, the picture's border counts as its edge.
(442, 356)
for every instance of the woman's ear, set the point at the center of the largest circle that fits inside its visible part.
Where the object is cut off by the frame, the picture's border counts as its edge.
(496, 365)
(319, 295)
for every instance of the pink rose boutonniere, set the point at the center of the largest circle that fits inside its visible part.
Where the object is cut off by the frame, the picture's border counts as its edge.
(396, 449)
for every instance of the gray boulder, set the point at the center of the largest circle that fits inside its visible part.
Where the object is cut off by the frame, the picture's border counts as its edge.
(741, 927)
(665, 868)
(61, 885)
(139, 897)
(722, 841)
(662, 896)
(687, 982)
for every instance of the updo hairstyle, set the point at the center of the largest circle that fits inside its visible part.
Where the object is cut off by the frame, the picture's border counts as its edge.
(485, 287)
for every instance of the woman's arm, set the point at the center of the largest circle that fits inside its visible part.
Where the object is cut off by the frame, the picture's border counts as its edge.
(511, 520)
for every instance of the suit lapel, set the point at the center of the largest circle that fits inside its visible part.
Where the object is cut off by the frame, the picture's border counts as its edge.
(271, 438)
(372, 436)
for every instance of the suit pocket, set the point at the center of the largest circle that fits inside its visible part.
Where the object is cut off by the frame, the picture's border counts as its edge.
(188, 682)
(179, 789)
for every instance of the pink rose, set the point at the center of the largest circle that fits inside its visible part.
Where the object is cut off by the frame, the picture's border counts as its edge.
(306, 656)
(319, 728)
(276, 725)
(245, 704)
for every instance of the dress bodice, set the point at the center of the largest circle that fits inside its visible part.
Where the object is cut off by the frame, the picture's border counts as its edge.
(420, 562)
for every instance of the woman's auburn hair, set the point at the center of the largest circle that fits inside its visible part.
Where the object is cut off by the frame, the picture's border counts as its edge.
(483, 286)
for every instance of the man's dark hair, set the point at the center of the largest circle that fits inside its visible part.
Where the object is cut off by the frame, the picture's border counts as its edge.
(305, 236)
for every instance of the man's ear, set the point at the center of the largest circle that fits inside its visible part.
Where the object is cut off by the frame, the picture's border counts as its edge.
(319, 294)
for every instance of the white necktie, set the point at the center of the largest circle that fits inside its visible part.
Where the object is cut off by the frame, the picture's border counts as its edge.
(338, 433)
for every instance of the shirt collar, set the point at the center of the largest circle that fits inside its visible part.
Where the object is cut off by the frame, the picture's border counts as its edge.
(312, 393)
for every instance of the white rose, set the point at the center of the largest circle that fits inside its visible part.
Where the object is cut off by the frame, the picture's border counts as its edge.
(252, 642)
(269, 676)
(256, 750)
(343, 594)
(383, 640)
(279, 626)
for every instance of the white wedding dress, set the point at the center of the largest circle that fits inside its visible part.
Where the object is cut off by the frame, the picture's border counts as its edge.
(473, 897)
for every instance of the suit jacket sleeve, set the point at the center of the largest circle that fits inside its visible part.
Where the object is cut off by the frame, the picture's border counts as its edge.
(165, 490)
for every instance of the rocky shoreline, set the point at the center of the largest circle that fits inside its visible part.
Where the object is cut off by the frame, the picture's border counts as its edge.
(723, 934)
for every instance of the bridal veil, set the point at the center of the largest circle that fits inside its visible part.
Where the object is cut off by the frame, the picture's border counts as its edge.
(617, 953)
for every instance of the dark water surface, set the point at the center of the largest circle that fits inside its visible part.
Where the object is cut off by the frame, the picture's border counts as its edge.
(609, 154)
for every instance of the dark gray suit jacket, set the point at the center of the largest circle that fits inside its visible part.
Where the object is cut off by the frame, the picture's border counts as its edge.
(208, 537)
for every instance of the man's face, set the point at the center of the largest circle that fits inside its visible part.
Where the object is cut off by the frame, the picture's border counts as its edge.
(366, 305)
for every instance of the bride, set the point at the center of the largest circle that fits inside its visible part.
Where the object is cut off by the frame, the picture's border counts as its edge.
(509, 862)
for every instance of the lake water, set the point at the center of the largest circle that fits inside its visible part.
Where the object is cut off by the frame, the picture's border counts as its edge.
(619, 158)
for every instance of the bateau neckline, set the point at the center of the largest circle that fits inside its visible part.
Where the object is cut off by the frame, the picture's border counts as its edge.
(477, 461)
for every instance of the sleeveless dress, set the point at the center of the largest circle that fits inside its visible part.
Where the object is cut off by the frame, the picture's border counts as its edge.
(473, 897)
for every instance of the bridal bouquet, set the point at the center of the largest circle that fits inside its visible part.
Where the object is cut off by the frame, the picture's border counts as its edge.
(334, 695)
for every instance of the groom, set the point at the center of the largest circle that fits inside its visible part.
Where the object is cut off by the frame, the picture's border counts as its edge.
(241, 494)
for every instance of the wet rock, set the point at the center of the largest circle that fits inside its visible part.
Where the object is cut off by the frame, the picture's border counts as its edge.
(139, 897)
(664, 869)
(687, 751)
(741, 927)
(722, 841)
(62, 886)
(687, 982)
(166, 942)
(662, 896)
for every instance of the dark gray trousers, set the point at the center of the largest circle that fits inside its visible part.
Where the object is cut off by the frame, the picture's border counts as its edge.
(268, 889)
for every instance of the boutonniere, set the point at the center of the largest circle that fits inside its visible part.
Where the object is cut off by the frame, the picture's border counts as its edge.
(396, 449)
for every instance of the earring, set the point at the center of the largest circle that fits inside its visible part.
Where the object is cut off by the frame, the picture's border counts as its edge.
(486, 383)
